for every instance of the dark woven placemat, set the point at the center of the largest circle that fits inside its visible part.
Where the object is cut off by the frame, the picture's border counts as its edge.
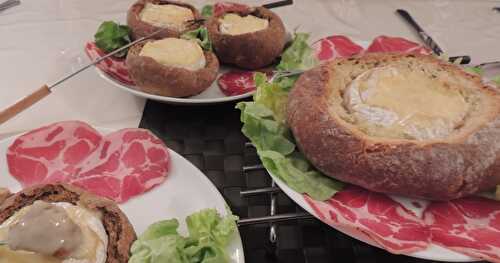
(210, 137)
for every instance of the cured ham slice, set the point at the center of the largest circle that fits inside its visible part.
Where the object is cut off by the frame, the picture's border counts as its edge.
(225, 7)
(469, 225)
(119, 165)
(234, 83)
(383, 220)
(335, 46)
(115, 68)
(396, 44)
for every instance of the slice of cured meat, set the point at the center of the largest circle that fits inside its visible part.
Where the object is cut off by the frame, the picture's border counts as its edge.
(225, 7)
(119, 165)
(396, 44)
(335, 46)
(115, 68)
(234, 83)
(379, 217)
(51, 153)
(469, 225)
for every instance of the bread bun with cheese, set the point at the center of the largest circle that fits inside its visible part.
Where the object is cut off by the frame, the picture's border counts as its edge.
(147, 16)
(171, 67)
(411, 125)
(249, 39)
(90, 212)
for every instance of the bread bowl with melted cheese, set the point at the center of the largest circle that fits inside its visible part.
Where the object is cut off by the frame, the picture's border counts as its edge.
(171, 67)
(147, 16)
(250, 39)
(410, 125)
(58, 223)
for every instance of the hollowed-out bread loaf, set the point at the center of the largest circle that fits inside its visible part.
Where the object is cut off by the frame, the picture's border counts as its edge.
(410, 125)
(120, 232)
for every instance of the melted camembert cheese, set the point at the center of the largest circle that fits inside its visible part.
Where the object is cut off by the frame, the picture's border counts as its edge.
(397, 103)
(93, 248)
(233, 24)
(175, 52)
(172, 16)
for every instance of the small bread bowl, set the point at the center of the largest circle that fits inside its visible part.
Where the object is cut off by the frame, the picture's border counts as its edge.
(140, 28)
(252, 50)
(448, 148)
(155, 78)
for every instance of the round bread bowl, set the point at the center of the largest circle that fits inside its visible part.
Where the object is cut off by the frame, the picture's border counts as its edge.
(120, 232)
(155, 78)
(140, 28)
(253, 50)
(465, 162)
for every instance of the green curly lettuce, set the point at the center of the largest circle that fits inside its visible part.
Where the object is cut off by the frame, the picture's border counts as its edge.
(111, 36)
(199, 35)
(209, 235)
(264, 124)
(207, 11)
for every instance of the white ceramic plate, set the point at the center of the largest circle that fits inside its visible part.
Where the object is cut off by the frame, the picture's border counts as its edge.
(212, 95)
(185, 191)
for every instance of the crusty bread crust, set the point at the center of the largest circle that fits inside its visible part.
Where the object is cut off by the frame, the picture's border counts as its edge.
(465, 163)
(140, 28)
(120, 232)
(253, 50)
(155, 78)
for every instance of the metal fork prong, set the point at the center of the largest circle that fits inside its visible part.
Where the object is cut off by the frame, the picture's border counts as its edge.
(488, 64)
(258, 191)
(253, 168)
(273, 219)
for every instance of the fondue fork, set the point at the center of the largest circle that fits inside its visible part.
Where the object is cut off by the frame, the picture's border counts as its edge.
(46, 89)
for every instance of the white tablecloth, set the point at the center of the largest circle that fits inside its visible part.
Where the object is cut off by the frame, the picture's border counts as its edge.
(41, 40)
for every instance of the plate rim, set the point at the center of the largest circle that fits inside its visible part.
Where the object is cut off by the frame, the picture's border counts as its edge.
(171, 100)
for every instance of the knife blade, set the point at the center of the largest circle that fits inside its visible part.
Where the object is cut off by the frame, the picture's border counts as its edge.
(431, 43)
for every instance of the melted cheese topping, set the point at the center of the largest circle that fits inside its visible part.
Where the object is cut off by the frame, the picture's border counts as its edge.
(233, 24)
(172, 16)
(175, 52)
(390, 103)
(92, 250)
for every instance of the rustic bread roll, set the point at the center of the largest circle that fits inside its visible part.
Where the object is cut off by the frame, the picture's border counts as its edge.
(152, 77)
(402, 124)
(120, 232)
(140, 28)
(253, 50)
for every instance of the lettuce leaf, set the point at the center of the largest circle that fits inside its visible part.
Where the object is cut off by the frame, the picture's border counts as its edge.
(111, 36)
(207, 10)
(209, 234)
(199, 35)
(299, 56)
(264, 123)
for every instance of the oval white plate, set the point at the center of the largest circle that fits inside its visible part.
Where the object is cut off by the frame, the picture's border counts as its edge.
(212, 95)
(185, 191)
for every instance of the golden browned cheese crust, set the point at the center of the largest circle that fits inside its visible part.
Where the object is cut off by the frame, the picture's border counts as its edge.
(466, 163)
(251, 50)
(120, 232)
(155, 78)
(140, 28)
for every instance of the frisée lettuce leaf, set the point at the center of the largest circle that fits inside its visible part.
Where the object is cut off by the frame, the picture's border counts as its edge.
(111, 36)
(209, 234)
(199, 35)
(265, 125)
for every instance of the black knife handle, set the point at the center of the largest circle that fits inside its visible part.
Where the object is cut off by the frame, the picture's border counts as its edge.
(465, 59)
(424, 36)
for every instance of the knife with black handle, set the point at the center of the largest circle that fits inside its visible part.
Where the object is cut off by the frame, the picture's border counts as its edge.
(428, 39)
